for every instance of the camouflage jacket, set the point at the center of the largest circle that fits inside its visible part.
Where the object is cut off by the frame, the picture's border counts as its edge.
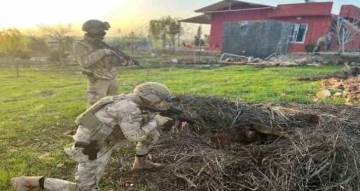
(93, 60)
(120, 118)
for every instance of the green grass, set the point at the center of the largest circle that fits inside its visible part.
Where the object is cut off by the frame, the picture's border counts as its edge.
(39, 106)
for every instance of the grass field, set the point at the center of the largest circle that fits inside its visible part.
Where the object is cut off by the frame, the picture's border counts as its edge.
(40, 105)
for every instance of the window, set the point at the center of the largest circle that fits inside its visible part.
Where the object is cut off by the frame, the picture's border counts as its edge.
(299, 33)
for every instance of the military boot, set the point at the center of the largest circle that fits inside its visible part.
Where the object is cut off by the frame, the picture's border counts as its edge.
(25, 183)
(142, 163)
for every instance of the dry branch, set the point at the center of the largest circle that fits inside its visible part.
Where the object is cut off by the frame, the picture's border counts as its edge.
(320, 151)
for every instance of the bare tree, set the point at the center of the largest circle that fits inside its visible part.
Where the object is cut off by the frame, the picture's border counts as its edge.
(11, 41)
(59, 34)
(132, 37)
(346, 31)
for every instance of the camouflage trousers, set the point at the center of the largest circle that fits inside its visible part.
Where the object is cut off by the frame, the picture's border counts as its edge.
(143, 147)
(89, 172)
(99, 88)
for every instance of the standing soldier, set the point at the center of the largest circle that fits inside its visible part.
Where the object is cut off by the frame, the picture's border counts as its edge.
(102, 128)
(323, 41)
(97, 61)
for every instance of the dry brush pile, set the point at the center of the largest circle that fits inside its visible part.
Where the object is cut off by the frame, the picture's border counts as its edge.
(264, 147)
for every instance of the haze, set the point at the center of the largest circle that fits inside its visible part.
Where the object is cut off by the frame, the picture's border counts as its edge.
(122, 14)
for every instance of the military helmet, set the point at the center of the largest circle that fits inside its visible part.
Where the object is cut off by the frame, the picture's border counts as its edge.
(95, 26)
(154, 95)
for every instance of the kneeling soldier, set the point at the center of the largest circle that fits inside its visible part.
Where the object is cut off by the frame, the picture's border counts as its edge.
(101, 129)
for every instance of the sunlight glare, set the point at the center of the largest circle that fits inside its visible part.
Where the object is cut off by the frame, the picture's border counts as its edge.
(23, 13)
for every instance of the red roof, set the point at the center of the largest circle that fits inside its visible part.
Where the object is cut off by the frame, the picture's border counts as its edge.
(224, 5)
(303, 9)
(200, 19)
(350, 11)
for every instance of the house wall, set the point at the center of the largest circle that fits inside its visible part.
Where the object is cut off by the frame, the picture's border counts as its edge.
(218, 20)
(317, 26)
(303, 9)
(256, 38)
(316, 15)
(353, 12)
(350, 11)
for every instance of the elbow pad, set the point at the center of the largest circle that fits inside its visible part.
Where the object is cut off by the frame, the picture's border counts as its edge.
(151, 125)
(140, 134)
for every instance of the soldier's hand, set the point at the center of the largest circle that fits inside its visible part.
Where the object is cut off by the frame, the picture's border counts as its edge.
(175, 126)
(108, 52)
(129, 62)
(161, 120)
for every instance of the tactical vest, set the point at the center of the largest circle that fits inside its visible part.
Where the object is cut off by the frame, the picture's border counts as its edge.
(98, 130)
(103, 68)
(85, 71)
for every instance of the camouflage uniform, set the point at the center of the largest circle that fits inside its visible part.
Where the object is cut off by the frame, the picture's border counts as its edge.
(118, 119)
(325, 41)
(97, 62)
(108, 124)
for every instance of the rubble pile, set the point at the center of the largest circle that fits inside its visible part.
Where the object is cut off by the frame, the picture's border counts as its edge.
(286, 61)
(336, 87)
(290, 60)
(341, 84)
(263, 147)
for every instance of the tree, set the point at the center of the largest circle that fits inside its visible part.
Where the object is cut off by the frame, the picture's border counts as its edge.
(198, 41)
(132, 37)
(11, 41)
(346, 31)
(59, 34)
(197, 37)
(37, 45)
(157, 31)
(166, 29)
(119, 30)
(174, 31)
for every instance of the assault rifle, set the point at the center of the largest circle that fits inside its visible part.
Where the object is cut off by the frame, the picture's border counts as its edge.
(177, 115)
(120, 54)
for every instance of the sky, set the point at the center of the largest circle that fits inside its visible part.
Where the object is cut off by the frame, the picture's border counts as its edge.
(122, 14)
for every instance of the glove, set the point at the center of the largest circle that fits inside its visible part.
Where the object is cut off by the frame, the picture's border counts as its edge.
(161, 120)
(128, 62)
(108, 52)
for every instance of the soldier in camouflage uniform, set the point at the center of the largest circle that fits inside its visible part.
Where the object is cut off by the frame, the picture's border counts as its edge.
(102, 128)
(98, 62)
(323, 41)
